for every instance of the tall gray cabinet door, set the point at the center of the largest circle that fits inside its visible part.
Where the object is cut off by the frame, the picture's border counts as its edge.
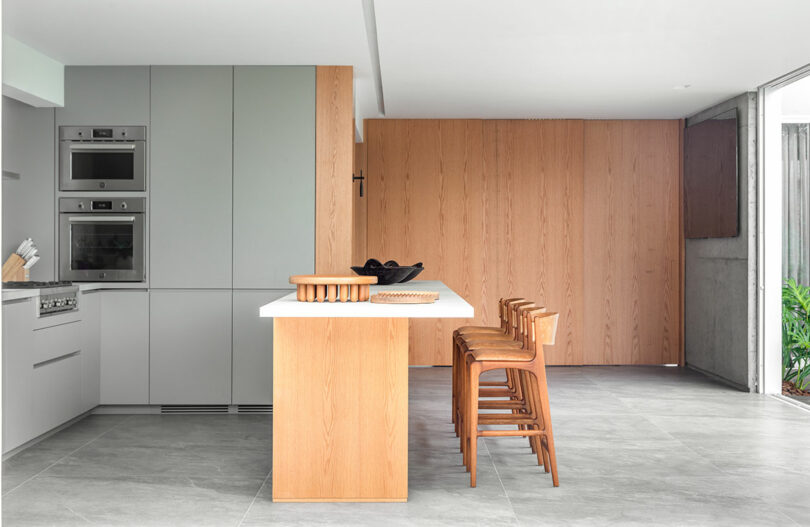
(105, 95)
(191, 177)
(124, 347)
(274, 175)
(190, 347)
(253, 347)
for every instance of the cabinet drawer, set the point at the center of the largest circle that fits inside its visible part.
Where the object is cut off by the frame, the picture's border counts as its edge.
(56, 392)
(56, 341)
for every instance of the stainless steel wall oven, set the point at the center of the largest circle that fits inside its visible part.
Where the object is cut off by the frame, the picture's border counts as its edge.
(101, 239)
(102, 158)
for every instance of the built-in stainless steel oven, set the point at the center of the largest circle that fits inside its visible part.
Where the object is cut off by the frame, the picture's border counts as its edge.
(101, 240)
(102, 158)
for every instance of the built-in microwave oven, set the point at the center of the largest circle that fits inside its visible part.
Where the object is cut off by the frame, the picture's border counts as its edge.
(101, 240)
(102, 158)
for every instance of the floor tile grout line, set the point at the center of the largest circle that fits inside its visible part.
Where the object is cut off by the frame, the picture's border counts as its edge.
(250, 506)
(503, 487)
(68, 455)
(77, 514)
(786, 400)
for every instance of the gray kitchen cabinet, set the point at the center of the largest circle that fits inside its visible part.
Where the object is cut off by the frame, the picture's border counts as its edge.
(105, 95)
(253, 347)
(124, 347)
(190, 347)
(273, 175)
(191, 177)
(90, 308)
(56, 389)
(18, 418)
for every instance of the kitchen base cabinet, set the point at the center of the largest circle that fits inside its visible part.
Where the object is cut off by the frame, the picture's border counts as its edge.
(18, 426)
(253, 347)
(124, 347)
(56, 391)
(90, 308)
(190, 347)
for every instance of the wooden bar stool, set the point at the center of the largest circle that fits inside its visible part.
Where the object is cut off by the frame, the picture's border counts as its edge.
(534, 420)
(504, 330)
(515, 394)
(464, 336)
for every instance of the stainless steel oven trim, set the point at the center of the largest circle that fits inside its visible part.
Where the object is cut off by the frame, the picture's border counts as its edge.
(101, 275)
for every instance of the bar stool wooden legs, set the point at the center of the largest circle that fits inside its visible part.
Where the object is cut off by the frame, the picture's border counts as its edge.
(534, 418)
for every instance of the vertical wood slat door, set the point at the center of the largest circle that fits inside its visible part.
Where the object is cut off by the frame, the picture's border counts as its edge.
(534, 221)
(632, 237)
(425, 205)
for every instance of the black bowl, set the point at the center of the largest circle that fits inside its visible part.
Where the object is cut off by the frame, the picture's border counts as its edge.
(385, 275)
(415, 270)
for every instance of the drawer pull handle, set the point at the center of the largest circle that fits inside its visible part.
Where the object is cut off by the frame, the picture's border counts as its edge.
(56, 359)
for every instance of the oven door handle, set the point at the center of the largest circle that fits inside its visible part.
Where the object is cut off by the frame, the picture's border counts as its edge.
(101, 219)
(102, 146)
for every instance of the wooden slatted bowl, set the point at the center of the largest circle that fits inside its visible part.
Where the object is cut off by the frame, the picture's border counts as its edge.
(332, 288)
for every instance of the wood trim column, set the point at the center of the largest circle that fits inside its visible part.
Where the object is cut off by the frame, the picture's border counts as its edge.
(334, 147)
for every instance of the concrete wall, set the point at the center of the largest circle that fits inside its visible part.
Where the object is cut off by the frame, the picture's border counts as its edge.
(720, 285)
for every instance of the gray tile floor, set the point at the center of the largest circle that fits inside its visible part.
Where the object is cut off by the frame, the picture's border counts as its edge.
(636, 446)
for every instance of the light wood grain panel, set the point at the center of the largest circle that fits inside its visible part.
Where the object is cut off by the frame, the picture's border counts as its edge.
(535, 219)
(425, 204)
(603, 250)
(334, 151)
(359, 207)
(340, 409)
(632, 242)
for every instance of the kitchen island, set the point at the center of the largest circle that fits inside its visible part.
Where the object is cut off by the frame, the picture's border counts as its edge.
(340, 394)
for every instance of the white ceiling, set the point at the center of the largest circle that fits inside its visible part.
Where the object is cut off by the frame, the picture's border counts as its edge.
(455, 58)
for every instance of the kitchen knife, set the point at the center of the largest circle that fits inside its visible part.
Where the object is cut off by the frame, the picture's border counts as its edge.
(30, 263)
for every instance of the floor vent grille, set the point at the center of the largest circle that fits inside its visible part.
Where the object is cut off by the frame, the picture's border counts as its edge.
(194, 409)
(255, 409)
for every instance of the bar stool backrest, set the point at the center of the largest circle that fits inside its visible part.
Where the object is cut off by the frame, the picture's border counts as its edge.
(514, 317)
(544, 332)
(503, 311)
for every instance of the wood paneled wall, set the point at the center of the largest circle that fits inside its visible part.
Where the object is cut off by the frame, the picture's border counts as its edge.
(534, 217)
(334, 151)
(632, 242)
(581, 216)
(425, 204)
(359, 207)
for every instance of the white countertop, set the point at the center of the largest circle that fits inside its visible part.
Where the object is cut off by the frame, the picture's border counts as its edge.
(449, 305)
(17, 294)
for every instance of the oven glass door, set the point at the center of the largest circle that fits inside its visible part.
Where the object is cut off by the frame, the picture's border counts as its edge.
(102, 247)
(102, 166)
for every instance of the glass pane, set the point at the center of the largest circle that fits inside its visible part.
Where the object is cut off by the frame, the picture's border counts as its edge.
(101, 246)
(102, 165)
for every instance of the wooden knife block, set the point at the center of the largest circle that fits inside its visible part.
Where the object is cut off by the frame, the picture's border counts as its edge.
(13, 269)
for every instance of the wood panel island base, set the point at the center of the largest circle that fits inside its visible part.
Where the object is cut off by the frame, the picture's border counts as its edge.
(340, 395)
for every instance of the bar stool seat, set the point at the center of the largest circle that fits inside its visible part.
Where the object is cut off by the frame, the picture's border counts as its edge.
(488, 341)
(502, 354)
(478, 329)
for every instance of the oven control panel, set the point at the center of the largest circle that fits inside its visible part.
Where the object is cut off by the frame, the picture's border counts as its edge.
(53, 301)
